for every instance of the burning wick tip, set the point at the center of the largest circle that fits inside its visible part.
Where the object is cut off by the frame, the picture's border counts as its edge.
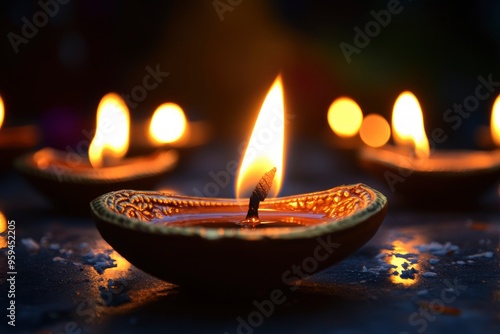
(258, 195)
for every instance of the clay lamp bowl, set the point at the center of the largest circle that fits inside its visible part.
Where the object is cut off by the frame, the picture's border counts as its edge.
(418, 172)
(445, 178)
(72, 185)
(15, 141)
(202, 243)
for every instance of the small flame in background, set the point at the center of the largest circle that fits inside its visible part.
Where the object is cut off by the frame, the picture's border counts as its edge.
(408, 125)
(3, 229)
(2, 111)
(345, 117)
(265, 148)
(168, 124)
(495, 122)
(111, 139)
(375, 131)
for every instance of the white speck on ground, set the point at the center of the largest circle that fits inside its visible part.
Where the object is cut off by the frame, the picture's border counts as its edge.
(422, 292)
(100, 261)
(383, 267)
(485, 254)
(408, 256)
(437, 248)
(31, 245)
(429, 274)
(54, 246)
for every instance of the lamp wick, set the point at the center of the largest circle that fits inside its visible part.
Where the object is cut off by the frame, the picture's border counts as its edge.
(259, 194)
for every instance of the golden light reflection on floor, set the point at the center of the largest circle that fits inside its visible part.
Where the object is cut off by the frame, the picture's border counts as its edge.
(401, 255)
(104, 301)
(3, 229)
(122, 265)
(121, 268)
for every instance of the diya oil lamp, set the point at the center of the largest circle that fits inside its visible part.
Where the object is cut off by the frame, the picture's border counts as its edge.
(70, 181)
(233, 245)
(14, 141)
(412, 169)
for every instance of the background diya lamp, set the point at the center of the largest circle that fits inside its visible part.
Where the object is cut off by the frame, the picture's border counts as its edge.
(14, 140)
(432, 177)
(234, 245)
(72, 181)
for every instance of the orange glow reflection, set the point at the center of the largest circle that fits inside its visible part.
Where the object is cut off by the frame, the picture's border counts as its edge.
(345, 117)
(122, 265)
(265, 148)
(408, 125)
(404, 252)
(3, 229)
(495, 122)
(168, 124)
(375, 130)
(111, 139)
(2, 111)
(403, 249)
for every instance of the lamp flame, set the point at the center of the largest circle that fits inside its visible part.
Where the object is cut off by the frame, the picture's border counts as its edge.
(2, 111)
(265, 148)
(345, 117)
(111, 139)
(408, 125)
(495, 122)
(168, 124)
(3, 228)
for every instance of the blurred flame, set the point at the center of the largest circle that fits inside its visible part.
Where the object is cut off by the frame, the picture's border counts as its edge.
(3, 228)
(265, 148)
(168, 124)
(408, 124)
(112, 132)
(375, 131)
(2, 111)
(345, 117)
(495, 122)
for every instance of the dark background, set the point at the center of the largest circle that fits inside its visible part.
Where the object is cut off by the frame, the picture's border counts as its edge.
(221, 70)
